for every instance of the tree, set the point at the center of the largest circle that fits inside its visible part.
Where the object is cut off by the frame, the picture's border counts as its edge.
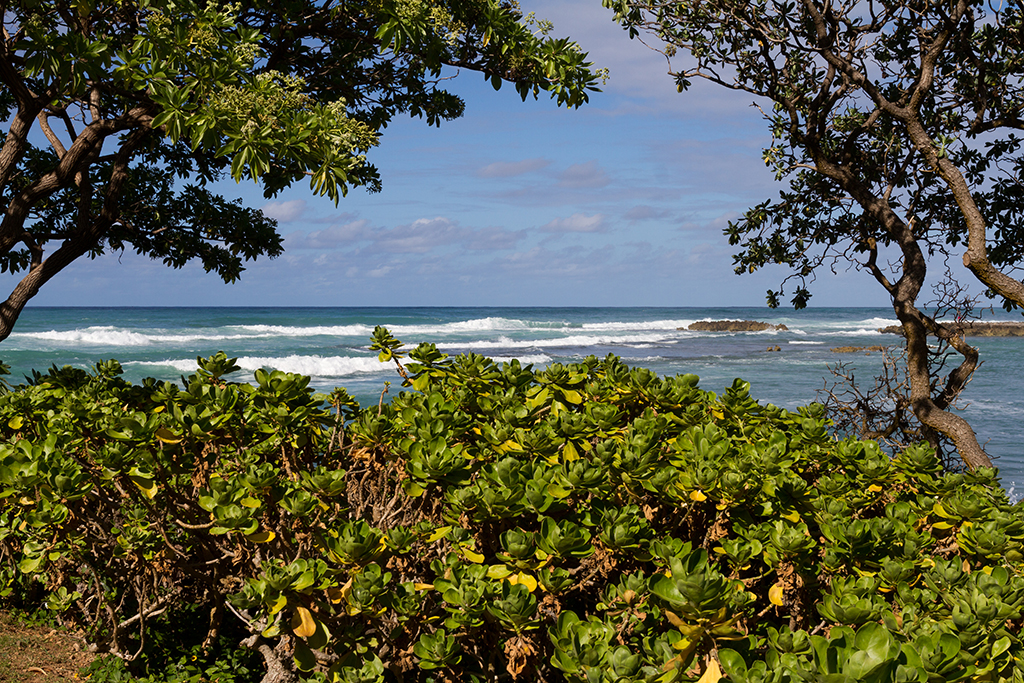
(894, 122)
(119, 115)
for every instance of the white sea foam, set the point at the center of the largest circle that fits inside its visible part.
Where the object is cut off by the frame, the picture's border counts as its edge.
(673, 325)
(319, 366)
(852, 326)
(474, 326)
(877, 322)
(314, 366)
(187, 365)
(100, 335)
(853, 333)
(464, 326)
(558, 342)
(113, 336)
(532, 358)
(121, 337)
(794, 341)
(311, 331)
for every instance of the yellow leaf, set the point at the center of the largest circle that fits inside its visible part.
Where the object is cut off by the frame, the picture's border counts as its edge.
(569, 453)
(775, 594)
(697, 495)
(674, 619)
(303, 623)
(167, 436)
(525, 580)
(335, 594)
(498, 572)
(681, 644)
(713, 673)
(572, 396)
(693, 633)
(792, 517)
(278, 605)
(158, 409)
(874, 488)
(439, 532)
(472, 555)
(262, 536)
(249, 502)
(147, 486)
(423, 586)
(16, 422)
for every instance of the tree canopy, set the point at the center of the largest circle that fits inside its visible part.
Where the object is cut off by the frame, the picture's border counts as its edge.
(895, 124)
(120, 115)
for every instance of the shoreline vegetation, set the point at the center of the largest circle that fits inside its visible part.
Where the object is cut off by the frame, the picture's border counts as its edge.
(591, 517)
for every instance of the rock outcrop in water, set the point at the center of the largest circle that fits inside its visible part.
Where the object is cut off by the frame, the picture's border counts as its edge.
(974, 329)
(732, 326)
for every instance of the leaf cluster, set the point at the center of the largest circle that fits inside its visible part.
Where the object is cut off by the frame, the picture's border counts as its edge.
(894, 123)
(585, 522)
(121, 115)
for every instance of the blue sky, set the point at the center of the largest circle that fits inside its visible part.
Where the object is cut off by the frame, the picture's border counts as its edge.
(619, 203)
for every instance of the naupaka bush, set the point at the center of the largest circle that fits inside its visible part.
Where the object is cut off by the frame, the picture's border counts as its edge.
(585, 522)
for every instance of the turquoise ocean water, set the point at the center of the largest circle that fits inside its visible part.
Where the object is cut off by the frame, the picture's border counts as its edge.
(330, 344)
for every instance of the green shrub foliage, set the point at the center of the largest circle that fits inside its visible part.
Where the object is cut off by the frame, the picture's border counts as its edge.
(586, 523)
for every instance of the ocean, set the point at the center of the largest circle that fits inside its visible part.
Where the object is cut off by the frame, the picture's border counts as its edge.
(330, 345)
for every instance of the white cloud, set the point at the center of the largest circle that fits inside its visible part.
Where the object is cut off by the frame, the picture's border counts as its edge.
(334, 237)
(588, 174)
(285, 212)
(638, 74)
(509, 169)
(718, 224)
(577, 222)
(642, 212)
(422, 236)
(419, 237)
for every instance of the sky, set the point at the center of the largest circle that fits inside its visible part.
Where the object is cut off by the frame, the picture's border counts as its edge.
(619, 203)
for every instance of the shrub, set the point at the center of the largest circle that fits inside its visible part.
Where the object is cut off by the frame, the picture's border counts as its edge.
(587, 522)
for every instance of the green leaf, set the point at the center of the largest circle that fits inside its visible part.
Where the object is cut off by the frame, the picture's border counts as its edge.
(30, 565)
(305, 660)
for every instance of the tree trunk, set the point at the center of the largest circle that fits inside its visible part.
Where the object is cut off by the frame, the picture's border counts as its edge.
(278, 661)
